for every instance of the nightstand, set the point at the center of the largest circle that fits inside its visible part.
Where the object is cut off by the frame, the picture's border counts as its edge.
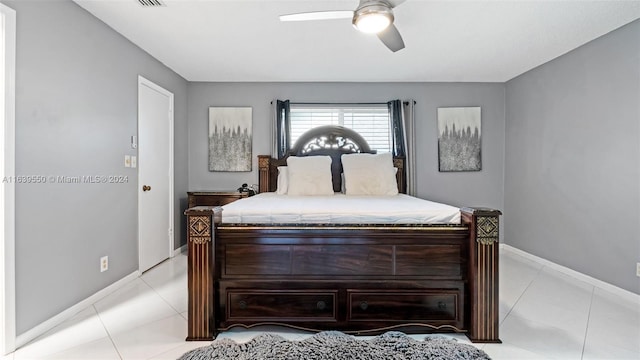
(213, 198)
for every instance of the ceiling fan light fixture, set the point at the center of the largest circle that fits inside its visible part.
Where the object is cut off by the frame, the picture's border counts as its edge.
(372, 19)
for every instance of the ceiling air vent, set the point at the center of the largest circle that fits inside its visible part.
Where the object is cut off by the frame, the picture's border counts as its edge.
(151, 3)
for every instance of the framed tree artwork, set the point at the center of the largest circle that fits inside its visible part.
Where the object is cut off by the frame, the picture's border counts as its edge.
(230, 138)
(459, 139)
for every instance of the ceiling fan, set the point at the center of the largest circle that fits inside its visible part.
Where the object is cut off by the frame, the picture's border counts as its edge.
(371, 16)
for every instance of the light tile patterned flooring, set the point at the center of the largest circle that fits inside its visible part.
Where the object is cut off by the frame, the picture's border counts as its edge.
(544, 314)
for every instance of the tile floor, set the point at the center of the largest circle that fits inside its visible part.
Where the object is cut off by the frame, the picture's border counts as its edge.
(544, 314)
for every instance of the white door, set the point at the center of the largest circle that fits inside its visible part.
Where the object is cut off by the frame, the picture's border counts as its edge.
(155, 174)
(7, 189)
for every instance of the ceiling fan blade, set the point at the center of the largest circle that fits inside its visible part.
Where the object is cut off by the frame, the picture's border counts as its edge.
(395, 3)
(318, 15)
(392, 38)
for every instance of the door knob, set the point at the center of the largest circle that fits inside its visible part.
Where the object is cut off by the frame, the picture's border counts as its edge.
(146, 188)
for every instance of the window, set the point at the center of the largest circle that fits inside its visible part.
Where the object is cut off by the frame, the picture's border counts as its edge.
(370, 120)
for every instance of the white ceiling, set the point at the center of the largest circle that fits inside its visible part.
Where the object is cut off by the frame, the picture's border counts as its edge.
(459, 41)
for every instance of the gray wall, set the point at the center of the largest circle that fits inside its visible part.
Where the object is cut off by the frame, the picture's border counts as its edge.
(463, 189)
(76, 108)
(572, 183)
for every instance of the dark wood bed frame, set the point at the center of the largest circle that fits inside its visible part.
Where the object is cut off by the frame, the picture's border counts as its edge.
(359, 279)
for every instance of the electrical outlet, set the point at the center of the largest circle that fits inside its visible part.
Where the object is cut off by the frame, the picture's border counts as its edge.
(104, 263)
(638, 269)
(134, 161)
(127, 161)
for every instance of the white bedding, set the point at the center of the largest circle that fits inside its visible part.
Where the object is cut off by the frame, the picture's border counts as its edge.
(272, 208)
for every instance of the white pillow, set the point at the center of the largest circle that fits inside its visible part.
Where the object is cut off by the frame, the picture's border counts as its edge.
(309, 175)
(369, 174)
(282, 184)
(342, 189)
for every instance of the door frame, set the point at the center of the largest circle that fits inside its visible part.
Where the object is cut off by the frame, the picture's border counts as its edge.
(171, 233)
(8, 208)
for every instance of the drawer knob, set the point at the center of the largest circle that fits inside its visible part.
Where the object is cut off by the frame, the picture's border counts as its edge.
(442, 305)
(242, 304)
(321, 305)
(364, 305)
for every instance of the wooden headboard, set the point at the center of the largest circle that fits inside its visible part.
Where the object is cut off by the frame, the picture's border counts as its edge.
(328, 140)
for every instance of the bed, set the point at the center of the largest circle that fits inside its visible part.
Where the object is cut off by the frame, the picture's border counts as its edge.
(320, 271)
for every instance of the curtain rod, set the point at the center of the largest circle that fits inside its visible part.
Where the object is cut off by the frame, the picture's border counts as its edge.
(335, 103)
(342, 103)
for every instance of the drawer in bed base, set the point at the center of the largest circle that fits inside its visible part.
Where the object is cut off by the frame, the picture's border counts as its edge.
(281, 305)
(343, 304)
(408, 305)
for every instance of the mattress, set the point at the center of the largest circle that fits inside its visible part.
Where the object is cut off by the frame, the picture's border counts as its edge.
(271, 208)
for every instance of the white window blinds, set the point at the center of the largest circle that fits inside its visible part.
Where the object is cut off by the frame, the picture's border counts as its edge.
(371, 121)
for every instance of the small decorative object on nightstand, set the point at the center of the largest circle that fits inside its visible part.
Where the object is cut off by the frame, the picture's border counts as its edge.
(246, 189)
(213, 198)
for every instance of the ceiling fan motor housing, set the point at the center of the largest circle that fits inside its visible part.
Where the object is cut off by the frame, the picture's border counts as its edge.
(366, 10)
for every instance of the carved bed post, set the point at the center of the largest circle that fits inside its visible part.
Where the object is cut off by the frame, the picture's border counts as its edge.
(201, 222)
(398, 163)
(264, 173)
(483, 273)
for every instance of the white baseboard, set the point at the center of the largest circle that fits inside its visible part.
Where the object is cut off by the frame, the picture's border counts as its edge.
(56, 320)
(49, 324)
(179, 250)
(575, 274)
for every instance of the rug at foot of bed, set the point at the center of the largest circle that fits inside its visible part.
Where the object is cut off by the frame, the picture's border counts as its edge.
(334, 345)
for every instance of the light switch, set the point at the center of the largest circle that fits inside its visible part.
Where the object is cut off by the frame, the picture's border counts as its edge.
(134, 161)
(127, 161)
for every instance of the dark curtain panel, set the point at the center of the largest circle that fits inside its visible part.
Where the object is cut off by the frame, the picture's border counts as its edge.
(397, 128)
(283, 128)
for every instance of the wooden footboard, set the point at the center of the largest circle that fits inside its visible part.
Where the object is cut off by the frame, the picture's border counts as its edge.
(483, 273)
(357, 279)
(200, 282)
